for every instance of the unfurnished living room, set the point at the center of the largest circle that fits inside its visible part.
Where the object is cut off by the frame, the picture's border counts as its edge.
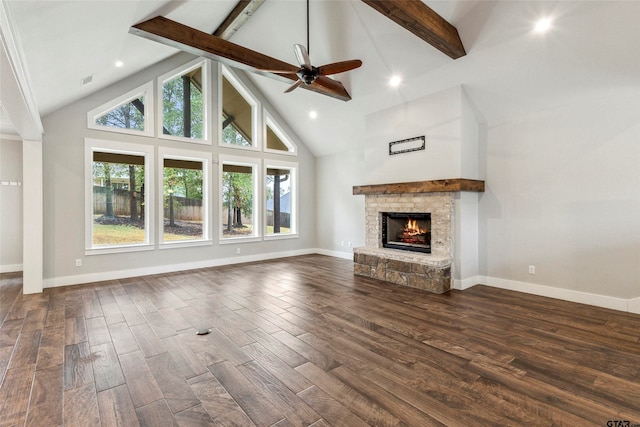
(319, 213)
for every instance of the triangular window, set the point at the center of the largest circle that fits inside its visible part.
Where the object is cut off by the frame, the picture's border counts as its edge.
(277, 140)
(239, 111)
(184, 103)
(130, 113)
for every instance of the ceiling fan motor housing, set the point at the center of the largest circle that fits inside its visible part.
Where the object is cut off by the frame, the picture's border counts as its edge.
(307, 75)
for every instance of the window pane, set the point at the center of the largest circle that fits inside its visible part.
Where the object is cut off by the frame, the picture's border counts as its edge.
(278, 190)
(183, 107)
(118, 199)
(237, 201)
(274, 142)
(237, 116)
(126, 116)
(183, 200)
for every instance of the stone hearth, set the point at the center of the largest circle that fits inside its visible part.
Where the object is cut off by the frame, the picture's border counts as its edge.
(416, 271)
(431, 272)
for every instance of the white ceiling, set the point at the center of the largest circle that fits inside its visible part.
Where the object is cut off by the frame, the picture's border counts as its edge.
(509, 70)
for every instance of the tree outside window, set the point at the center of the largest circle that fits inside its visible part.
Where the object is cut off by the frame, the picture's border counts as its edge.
(118, 199)
(126, 116)
(279, 200)
(237, 201)
(183, 200)
(182, 105)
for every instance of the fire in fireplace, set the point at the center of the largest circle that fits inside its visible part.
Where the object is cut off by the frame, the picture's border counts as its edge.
(406, 231)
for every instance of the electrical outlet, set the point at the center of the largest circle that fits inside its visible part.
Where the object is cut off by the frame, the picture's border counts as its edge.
(349, 244)
(78, 262)
(342, 243)
(238, 251)
(532, 269)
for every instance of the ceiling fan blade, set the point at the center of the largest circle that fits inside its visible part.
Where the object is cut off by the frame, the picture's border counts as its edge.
(339, 67)
(277, 71)
(196, 42)
(302, 55)
(323, 82)
(293, 86)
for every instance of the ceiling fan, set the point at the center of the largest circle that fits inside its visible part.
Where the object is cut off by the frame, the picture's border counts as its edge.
(191, 40)
(307, 73)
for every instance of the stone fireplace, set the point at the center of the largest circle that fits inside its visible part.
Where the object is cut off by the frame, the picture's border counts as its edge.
(429, 270)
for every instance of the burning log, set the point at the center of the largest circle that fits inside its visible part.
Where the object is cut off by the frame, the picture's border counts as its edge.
(412, 233)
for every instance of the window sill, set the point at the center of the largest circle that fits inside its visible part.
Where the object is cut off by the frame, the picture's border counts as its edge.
(282, 152)
(239, 147)
(234, 240)
(118, 249)
(183, 139)
(126, 131)
(282, 236)
(185, 244)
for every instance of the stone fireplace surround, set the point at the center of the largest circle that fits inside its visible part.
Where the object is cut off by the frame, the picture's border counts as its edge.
(431, 272)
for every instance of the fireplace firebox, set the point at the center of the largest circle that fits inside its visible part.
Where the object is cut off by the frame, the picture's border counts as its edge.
(406, 231)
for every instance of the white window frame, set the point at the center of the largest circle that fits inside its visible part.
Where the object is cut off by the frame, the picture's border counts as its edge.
(293, 167)
(146, 91)
(195, 156)
(257, 139)
(277, 129)
(92, 145)
(255, 164)
(206, 91)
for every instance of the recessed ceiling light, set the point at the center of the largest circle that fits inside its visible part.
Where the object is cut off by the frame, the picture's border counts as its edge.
(119, 64)
(313, 114)
(395, 81)
(542, 25)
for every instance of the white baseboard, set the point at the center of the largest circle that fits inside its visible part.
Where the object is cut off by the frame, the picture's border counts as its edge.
(604, 301)
(634, 305)
(161, 269)
(621, 304)
(10, 268)
(467, 283)
(337, 254)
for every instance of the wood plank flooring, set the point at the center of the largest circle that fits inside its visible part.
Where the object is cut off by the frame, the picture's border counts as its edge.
(303, 342)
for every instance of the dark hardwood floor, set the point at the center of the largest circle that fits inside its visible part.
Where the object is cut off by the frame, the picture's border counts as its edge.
(302, 341)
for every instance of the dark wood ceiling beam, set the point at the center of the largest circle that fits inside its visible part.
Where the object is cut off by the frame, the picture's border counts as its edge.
(237, 18)
(424, 22)
(196, 42)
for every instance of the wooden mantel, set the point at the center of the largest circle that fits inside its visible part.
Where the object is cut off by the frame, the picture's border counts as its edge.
(437, 186)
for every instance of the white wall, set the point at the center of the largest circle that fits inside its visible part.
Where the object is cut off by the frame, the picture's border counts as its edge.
(340, 213)
(438, 118)
(65, 131)
(466, 263)
(563, 194)
(449, 124)
(10, 206)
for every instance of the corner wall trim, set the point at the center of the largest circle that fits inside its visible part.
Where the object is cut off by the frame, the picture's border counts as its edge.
(634, 305)
(467, 283)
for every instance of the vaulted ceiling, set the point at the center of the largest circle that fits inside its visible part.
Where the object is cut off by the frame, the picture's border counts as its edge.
(509, 70)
